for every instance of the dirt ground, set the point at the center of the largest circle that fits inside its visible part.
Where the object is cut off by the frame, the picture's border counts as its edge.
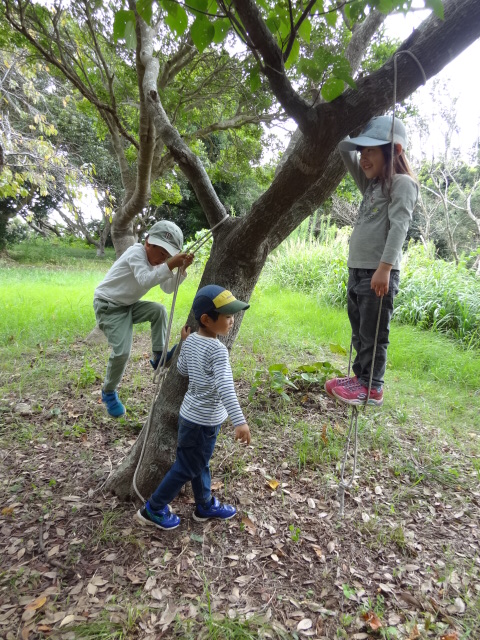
(403, 562)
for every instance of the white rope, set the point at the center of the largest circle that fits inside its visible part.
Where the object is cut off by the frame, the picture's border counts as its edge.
(342, 485)
(161, 371)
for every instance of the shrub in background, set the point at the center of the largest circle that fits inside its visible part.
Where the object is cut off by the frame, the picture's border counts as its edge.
(439, 295)
(434, 294)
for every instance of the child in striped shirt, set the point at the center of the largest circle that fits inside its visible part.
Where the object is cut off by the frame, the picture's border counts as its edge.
(210, 398)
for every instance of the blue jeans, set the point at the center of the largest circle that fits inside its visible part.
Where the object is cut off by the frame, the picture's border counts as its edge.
(195, 447)
(363, 305)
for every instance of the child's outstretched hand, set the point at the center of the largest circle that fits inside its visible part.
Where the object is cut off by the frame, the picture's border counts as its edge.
(185, 332)
(242, 433)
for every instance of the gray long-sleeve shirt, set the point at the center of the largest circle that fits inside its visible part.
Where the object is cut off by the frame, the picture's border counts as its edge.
(382, 222)
(131, 276)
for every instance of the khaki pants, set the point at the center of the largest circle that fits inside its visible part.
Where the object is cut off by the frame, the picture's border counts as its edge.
(116, 322)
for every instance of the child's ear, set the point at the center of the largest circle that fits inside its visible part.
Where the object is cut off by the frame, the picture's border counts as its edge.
(205, 318)
(398, 148)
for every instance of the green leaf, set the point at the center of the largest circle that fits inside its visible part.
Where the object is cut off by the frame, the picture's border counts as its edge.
(254, 79)
(332, 88)
(322, 58)
(196, 537)
(293, 56)
(331, 18)
(144, 8)
(197, 5)
(122, 18)
(130, 35)
(202, 32)
(336, 348)
(177, 19)
(310, 69)
(305, 30)
(279, 367)
(222, 27)
(385, 6)
(437, 6)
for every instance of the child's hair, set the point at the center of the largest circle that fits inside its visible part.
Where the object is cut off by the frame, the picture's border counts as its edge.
(211, 314)
(400, 164)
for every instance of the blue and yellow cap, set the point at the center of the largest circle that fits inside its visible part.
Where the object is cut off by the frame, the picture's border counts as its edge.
(216, 298)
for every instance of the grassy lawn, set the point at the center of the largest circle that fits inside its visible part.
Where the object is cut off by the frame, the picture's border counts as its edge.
(404, 562)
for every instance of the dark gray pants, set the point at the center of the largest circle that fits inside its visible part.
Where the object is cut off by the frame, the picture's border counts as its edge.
(363, 305)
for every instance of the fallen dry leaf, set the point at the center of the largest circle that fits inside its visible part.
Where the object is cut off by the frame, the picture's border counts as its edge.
(304, 624)
(249, 526)
(324, 434)
(36, 604)
(67, 620)
(451, 635)
(414, 633)
(273, 484)
(372, 620)
(7, 511)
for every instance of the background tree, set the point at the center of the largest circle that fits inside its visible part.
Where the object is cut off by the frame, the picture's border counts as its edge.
(43, 172)
(447, 213)
(205, 91)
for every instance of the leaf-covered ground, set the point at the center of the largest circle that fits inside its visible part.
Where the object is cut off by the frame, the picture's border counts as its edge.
(403, 562)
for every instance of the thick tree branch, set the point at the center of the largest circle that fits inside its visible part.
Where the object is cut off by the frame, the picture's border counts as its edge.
(188, 162)
(264, 43)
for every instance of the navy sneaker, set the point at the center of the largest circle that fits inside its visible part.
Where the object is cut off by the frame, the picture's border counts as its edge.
(215, 510)
(155, 361)
(114, 407)
(162, 519)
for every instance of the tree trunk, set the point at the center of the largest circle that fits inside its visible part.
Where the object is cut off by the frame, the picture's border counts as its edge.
(236, 262)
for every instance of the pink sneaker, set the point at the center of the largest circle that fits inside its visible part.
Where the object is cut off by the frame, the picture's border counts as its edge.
(355, 393)
(337, 382)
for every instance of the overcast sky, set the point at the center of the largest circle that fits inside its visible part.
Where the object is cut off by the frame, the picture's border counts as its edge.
(461, 77)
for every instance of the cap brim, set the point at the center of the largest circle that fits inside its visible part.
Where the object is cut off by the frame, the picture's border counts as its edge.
(165, 245)
(233, 307)
(361, 141)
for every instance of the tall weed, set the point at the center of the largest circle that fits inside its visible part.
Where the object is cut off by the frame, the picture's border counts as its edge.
(434, 294)
(439, 295)
(312, 266)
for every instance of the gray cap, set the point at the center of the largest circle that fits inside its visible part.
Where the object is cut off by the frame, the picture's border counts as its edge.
(377, 132)
(167, 235)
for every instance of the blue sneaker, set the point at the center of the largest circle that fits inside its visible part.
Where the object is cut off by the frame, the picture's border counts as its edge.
(114, 407)
(215, 510)
(163, 519)
(156, 360)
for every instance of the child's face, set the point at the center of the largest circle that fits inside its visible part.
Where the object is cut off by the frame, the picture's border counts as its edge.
(372, 161)
(156, 255)
(221, 326)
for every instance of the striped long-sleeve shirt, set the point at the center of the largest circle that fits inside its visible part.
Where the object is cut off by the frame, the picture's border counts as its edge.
(211, 395)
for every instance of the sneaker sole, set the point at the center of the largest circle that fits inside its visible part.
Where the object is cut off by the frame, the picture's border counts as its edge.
(204, 519)
(149, 523)
(359, 403)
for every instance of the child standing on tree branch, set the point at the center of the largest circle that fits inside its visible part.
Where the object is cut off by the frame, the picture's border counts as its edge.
(390, 193)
